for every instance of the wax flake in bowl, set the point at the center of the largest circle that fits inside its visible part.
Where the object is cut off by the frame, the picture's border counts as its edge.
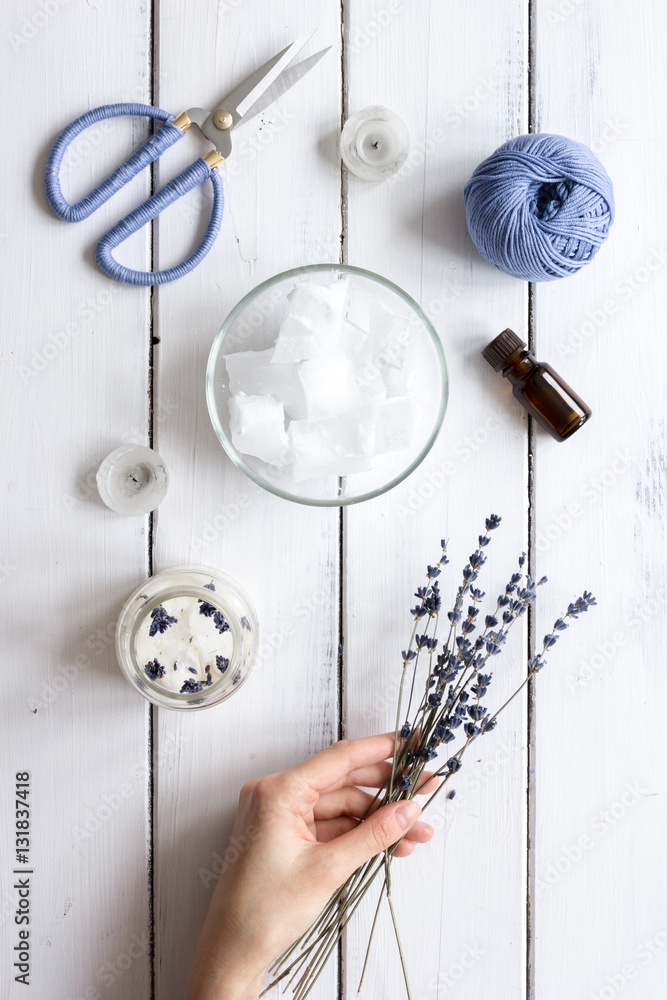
(314, 322)
(257, 424)
(327, 385)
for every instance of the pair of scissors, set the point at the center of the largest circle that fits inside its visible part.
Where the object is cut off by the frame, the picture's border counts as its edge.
(256, 93)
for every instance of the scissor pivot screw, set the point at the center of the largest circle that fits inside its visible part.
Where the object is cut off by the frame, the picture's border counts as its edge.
(223, 119)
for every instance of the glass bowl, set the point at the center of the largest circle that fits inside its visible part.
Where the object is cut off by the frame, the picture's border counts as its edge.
(191, 599)
(254, 324)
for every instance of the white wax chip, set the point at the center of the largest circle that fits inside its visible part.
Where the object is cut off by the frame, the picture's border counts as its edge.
(394, 425)
(324, 448)
(313, 325)
(355, 432)
(253, 373)
(358, 305)
(297, 340)
(371, 383)
(390, 334)
(396, 381)
(354, 341)
(328, 302)
(392, 351)
(257, 425)
(329, 386)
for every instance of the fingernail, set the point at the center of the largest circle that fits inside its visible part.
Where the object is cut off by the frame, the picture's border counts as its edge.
(407, 813)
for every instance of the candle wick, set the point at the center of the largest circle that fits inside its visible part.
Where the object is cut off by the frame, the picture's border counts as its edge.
(376, 144)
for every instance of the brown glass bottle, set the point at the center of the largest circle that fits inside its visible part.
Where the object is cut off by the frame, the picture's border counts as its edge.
(537, 386)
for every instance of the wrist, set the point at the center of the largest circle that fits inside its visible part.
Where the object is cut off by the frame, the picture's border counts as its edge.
(225, 983)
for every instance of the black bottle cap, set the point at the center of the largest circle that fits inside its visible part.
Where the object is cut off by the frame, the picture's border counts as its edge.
(502, 348)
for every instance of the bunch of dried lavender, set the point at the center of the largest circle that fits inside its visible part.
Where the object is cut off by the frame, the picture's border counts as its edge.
(449, 701)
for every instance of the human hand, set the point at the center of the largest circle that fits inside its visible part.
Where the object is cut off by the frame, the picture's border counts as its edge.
(301, 839)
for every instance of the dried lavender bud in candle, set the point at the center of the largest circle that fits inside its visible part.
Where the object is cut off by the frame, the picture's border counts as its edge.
(154, 670)
(191, 687)
(161, 620)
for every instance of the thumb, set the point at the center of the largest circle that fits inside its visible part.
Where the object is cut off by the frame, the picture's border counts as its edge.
(383, 828)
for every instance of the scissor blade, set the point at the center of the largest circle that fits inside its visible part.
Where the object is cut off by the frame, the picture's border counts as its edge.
(285, 80)
(262, 78)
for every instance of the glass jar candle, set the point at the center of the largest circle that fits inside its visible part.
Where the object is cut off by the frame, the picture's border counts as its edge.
(187, 638)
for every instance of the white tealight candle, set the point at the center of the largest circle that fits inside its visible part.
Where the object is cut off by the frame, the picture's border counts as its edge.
(374, 143)
(132, 480)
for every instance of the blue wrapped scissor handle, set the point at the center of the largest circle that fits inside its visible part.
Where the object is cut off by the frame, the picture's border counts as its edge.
(157, 144)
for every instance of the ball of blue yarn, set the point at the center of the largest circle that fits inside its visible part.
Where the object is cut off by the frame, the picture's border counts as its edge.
(540, 207)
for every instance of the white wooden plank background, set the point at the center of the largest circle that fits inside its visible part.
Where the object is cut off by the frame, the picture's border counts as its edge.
(68, 561)
(285, 555)
(601, 810)
(413, 230)
(131, 806)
